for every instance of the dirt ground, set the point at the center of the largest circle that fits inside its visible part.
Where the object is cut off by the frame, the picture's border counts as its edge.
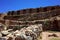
(49, 36)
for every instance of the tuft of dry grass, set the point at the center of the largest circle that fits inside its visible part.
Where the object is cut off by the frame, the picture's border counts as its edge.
(55, 39)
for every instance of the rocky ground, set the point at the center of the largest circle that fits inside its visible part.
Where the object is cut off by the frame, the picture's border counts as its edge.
(50, 35)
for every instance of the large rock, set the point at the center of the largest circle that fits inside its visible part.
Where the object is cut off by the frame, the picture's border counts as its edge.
(4, 33)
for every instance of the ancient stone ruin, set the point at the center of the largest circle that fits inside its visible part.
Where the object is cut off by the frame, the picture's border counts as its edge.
(31, 16)
(29, 23)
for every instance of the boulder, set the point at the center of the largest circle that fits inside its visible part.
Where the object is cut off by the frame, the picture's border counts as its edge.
(5, 33)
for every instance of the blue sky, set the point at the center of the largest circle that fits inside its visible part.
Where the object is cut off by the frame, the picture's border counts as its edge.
(9, 5)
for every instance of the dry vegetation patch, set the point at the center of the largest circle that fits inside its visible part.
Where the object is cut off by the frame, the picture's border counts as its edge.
(55, 39)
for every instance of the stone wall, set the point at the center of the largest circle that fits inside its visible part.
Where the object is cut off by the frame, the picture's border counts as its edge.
(31, 14)
(33, 10)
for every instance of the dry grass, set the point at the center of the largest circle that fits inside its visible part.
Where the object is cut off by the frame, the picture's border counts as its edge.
(52, 31)
(55, 39)
(40, 37)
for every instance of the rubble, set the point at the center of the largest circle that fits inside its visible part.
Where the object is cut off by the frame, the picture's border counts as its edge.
(29, 33)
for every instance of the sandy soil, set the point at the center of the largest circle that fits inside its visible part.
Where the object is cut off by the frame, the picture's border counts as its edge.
(45, 35)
